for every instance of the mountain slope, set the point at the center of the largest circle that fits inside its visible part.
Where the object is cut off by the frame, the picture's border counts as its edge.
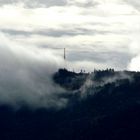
(108, 108)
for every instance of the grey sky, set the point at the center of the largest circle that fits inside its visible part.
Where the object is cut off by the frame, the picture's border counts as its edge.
(35, 3)
(100, 25)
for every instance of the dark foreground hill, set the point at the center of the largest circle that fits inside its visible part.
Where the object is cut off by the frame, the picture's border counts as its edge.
(103, 105)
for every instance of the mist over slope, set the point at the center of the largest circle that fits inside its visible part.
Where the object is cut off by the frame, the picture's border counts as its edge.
(26, 76)
(101, 105)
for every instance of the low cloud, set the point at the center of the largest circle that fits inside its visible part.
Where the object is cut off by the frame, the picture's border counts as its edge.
(135, 50)
(26, 76)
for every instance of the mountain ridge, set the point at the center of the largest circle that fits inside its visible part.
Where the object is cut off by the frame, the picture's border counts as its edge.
(109, 109)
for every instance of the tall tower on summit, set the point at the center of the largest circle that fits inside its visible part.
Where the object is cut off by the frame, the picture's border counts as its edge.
(64, 53)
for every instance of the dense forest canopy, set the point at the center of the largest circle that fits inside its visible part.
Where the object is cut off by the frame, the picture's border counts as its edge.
(108, 108)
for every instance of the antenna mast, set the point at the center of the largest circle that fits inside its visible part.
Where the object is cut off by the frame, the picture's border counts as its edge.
(64, 53)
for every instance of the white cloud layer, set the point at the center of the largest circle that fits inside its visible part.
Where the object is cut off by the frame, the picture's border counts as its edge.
(102, 26)
(26, 76)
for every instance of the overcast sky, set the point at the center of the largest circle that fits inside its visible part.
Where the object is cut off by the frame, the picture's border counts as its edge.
(95, 33)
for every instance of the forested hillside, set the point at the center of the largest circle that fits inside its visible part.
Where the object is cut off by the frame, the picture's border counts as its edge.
(102, 105)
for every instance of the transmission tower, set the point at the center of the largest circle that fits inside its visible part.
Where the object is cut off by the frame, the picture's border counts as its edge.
(64, 53)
